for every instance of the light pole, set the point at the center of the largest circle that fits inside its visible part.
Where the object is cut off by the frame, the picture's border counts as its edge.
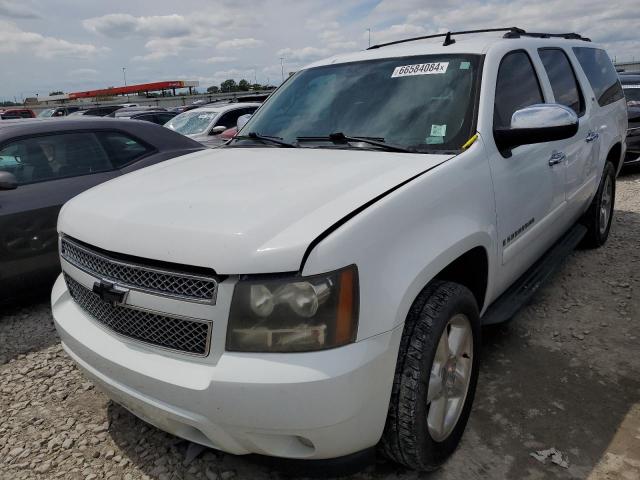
(282, 67)
(369, 30)
(124, 77)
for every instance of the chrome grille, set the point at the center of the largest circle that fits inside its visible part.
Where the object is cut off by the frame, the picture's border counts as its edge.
(164, 282)
(180, 334)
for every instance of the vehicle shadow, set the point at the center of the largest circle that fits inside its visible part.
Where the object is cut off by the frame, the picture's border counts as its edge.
(26, 325)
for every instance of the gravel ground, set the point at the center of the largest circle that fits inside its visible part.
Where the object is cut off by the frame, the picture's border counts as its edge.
(563, 374)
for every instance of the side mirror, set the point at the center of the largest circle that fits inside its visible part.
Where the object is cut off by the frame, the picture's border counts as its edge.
(242, 120)
(537, 124)
(8, 181)
(217, 130)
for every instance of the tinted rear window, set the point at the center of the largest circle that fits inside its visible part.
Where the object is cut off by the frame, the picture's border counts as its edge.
(566, 90)
(601, 74)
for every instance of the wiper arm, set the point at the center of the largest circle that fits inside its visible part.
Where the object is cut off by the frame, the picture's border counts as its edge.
(341, 138)
(265, 139)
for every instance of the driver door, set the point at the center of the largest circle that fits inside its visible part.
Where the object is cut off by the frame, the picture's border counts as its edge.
(529, 180)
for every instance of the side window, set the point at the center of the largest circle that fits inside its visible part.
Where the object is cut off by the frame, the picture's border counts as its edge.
(164, 117)
(50, 157)
(562, 78)
(517, 87)
(121, 148)
(230, 119)
(602, 75)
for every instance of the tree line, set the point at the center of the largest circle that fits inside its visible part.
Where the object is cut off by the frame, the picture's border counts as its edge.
(241, 86)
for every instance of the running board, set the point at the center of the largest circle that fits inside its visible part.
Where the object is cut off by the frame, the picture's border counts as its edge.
(518, 294)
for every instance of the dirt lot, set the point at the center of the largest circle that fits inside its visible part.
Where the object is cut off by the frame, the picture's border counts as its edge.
(563, 374)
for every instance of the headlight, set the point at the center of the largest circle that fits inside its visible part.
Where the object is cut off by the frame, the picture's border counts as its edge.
(294, 314)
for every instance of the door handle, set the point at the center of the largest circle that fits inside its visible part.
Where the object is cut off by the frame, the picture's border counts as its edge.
(556, 158)
(592, 136)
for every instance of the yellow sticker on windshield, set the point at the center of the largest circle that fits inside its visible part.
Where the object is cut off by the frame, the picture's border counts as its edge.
(420, 69)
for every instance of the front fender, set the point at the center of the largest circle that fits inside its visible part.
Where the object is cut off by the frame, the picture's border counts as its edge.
(402, 241)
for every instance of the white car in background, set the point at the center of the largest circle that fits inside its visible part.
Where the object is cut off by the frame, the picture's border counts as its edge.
(206, 123)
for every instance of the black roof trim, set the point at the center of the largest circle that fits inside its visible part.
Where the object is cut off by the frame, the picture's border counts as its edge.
(511, 32)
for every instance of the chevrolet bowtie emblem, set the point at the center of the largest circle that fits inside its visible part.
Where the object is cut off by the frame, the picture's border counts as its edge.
(110, 292)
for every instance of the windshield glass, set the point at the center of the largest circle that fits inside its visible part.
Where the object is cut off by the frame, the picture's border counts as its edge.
(46, 113)
(421, 103)
(192, 122)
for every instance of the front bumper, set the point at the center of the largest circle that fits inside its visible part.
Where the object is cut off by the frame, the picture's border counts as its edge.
(302, 405)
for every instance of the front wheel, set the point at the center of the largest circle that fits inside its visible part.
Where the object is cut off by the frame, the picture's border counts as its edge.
(598, 218)
(435, 378)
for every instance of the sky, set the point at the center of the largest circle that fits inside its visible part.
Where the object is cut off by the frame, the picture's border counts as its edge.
(72, 45)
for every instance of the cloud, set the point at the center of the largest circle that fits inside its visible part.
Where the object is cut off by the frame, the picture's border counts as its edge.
(239, 43)
(13, 39)
(13, 9)
(83, 72)
(395, 32)
(303, 54)
(212, 60)
(119, 25)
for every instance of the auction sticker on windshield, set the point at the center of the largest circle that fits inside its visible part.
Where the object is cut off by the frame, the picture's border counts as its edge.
(420, 69)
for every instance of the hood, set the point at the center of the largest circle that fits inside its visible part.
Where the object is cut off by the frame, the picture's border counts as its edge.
(236, 210)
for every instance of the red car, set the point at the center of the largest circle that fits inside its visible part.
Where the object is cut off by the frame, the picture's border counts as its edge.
(12, 113)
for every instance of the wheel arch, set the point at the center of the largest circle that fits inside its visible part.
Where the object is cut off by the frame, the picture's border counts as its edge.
(469, 262)
(615, 156)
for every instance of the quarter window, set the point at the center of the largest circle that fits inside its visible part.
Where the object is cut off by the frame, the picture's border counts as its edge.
(517, 87)
(562, 78)
(601, 74)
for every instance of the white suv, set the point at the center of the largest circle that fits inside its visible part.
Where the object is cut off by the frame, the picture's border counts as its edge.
(317, 287)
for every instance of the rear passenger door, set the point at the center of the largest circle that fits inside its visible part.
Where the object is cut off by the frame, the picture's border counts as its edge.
(529, 190)
(580, 151)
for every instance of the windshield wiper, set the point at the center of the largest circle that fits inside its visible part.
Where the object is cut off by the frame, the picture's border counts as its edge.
(265, 139)
(342, 139)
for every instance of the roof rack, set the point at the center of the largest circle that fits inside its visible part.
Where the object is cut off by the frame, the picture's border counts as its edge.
(568, 36)
(511, 32)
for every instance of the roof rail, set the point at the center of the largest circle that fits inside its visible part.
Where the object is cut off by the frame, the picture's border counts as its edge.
(511, 32)
(568, 36)
(448, 35)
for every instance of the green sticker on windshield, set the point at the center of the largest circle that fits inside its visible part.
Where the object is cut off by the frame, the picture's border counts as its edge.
(434, 140)
(465, 65)
(438, 130)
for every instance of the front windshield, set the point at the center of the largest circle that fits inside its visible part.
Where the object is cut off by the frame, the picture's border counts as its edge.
(192, 122)
(46, 113)
(421, 103)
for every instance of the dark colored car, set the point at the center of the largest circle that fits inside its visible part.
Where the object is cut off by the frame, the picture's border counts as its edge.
(98, 111)
(14, 113)
(631, 87)
(44, 163)
(159, 118)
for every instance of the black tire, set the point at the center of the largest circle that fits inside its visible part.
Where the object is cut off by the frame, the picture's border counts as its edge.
(406, 438)
(597, 234)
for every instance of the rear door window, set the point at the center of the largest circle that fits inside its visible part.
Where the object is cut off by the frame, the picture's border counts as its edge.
(49, 157)
(517, 86)
(562, 78)
(602, 75)
(122, 149)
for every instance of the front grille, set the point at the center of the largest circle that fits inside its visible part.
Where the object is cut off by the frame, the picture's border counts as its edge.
(180, 334)
(132, 275)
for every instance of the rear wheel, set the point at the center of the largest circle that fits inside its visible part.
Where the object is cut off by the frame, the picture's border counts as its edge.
(435, 379)
(598, 218)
